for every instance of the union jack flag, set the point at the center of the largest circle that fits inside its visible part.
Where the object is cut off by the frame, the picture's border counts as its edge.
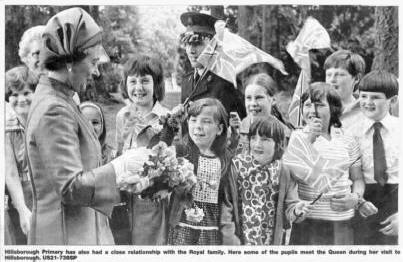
(228, 54)
(312, 36)
(308, 166)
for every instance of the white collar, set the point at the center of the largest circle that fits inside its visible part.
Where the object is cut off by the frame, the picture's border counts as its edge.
(387, 122)
(159, 110)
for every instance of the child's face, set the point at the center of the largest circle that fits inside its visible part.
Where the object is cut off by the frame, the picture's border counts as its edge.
(341, 80)
(203, 129)
(257, 101)
(20, 101)
(262, 148)
(374, 105)
(94, 118)
(322, 112)
(140, 89)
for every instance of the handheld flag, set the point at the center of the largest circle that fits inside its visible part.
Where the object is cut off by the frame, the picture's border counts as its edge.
(228, 54)
(308, 166)
(312, 36)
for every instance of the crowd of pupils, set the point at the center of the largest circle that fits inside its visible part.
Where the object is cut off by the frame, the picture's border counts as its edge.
(258, 198)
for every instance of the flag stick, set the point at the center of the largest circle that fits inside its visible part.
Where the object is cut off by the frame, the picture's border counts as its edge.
(300, 100)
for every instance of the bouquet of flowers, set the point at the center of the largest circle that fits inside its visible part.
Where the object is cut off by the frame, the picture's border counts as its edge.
(162, 169)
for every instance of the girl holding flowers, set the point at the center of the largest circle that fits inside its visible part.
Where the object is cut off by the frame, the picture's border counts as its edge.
(195, 215)
(143, 85)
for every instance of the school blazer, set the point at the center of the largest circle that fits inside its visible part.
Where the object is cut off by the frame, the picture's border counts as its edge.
(72, 197)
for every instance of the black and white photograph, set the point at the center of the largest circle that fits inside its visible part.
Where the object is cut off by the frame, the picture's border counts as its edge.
(211, 127)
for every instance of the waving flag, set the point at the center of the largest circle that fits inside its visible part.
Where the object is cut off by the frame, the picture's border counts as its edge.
(228, 54)
(308, 166)
(312, 36)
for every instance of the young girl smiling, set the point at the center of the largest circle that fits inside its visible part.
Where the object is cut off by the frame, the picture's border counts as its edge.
(329, 222)
(207, 123)
(144, 88)
(258, 190)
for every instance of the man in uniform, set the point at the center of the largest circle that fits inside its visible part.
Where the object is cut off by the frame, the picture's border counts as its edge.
(199, 83)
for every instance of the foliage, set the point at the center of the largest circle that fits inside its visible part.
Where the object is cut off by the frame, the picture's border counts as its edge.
(160, 30)
(349, 27)
(155, 29)
(121, 30)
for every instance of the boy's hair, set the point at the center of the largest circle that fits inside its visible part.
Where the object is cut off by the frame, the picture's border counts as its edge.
(220, 116)
(17, 78)
(270, 127)
(319, 90)
(102, 137)
(144, 65)
(380, 81)
(264, 80)
(345, 59)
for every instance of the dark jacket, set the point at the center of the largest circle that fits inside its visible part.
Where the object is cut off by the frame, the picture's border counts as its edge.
(214, 86)
(72, 197)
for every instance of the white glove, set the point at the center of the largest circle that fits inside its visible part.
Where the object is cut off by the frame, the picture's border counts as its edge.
(133, 184)
(130, 163)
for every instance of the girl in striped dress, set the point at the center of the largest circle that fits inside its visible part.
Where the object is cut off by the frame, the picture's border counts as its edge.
(195, 215)
(329, 222)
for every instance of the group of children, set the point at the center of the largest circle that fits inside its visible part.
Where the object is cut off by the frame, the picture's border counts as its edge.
(248, 195)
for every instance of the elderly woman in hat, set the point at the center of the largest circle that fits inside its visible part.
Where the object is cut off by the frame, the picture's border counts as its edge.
(73, 193)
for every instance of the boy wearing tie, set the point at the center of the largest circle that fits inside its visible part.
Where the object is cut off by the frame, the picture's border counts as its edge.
(378, 136)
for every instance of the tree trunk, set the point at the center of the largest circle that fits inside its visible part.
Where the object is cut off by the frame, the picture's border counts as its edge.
(270, 34)
(245, 20)
(387, 36)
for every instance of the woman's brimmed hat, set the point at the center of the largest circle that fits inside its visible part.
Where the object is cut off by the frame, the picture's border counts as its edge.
(70, 32)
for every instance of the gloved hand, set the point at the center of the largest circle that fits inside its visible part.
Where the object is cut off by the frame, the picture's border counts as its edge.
(134, 183)
(130, 163)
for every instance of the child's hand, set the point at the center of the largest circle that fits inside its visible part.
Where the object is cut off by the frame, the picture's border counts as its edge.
(234, 120)
(129, 122)
(343, 202)
(313, 129)
(391, 227)
(302, 209)
(367, 209)
(179, 111)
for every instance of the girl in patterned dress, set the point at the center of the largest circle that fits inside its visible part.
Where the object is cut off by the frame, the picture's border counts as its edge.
(258, 191)
(207, 125)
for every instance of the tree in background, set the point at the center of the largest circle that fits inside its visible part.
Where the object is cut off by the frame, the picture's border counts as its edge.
(368, 30)
(386, 40)
(121, 32)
